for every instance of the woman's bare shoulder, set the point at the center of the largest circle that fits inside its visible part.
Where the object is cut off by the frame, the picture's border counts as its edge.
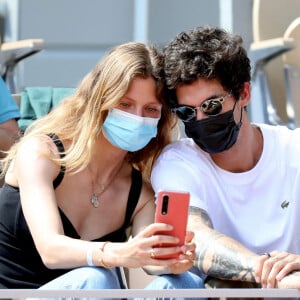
(32, 159)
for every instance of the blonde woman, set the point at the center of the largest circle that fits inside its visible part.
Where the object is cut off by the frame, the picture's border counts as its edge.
(80, 177)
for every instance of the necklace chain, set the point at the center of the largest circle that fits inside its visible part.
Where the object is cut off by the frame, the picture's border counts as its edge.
(95, 195)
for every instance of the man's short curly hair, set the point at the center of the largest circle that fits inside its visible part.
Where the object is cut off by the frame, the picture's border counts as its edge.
(206, 53)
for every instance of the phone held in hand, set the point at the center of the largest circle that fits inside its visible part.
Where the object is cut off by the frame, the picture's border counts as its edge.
(172, 208)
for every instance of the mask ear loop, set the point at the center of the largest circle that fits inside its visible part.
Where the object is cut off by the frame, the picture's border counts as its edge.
(239, 124)
(241, 116)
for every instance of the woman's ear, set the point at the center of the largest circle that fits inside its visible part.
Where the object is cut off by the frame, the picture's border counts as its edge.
(245, 94)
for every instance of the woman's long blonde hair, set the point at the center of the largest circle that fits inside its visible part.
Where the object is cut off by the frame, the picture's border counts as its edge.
(78, 119)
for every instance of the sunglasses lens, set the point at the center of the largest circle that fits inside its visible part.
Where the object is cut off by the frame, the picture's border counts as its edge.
(211, 107)
(185, 113)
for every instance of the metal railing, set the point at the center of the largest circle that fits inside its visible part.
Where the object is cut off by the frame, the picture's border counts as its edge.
(142, 293)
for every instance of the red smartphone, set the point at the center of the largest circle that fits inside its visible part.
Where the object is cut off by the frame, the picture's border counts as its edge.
(172, 208)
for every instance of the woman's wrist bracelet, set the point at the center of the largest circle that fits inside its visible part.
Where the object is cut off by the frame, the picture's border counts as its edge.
(89, 257)
(101, 262)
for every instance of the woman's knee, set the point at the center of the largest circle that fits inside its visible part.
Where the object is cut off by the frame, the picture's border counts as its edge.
(180, 281)
(97, 278)
(185, 280)
(86, 278)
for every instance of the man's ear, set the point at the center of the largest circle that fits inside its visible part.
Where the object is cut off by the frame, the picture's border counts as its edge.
(245, 94)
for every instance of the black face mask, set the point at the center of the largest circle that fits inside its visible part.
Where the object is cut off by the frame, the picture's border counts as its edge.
(214, 134)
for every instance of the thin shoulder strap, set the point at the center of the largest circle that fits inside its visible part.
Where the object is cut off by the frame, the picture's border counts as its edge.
(61, 150)
(134, 194)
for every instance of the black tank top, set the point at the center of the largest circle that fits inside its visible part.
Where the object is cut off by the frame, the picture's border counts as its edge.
(20, 263)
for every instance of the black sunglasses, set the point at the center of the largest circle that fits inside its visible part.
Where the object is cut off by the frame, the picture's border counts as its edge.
(210, 107)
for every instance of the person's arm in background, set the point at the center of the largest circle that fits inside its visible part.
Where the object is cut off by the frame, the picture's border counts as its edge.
(9, 114)
(9, 134)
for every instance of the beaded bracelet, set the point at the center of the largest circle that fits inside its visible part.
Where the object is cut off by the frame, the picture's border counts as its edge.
(101, 262)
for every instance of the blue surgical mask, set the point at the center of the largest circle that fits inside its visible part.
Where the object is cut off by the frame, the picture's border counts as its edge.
(128, 131)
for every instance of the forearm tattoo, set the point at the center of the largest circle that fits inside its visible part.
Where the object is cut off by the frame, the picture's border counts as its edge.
(195, 211)
(216, 254)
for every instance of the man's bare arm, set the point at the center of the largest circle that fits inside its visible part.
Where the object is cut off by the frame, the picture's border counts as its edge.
(9, 134)
(220, 256)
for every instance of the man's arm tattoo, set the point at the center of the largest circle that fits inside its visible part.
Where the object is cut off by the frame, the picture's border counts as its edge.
(217, 255)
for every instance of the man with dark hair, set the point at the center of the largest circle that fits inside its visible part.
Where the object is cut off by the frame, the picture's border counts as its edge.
(243, 178)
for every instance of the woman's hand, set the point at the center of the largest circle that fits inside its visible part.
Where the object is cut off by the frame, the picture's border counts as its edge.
(146, 248)
(186, 259)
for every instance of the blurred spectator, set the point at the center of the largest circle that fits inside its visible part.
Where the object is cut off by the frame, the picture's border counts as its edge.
(9, 114)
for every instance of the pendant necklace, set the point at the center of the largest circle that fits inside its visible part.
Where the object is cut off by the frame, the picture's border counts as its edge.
(95, 196)
(95, 200)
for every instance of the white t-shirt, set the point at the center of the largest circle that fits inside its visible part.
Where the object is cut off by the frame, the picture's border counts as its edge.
(259, 208)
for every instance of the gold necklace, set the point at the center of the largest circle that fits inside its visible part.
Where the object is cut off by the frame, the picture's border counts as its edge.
(95, 196)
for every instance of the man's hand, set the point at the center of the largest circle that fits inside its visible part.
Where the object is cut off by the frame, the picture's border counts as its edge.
(281, 269)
